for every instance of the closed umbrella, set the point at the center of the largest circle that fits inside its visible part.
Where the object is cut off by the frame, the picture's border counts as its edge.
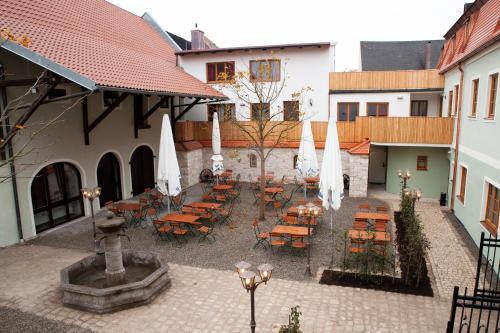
(331, 185)
(217, 159)
(307, 161)
(169, 176)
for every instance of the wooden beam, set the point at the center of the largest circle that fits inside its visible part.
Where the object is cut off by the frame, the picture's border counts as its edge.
(137, 114)
(52, 100)
(27, 115)
(85, 113)
(154, 108)
(106, 112)
(22, 82)
(186, 109)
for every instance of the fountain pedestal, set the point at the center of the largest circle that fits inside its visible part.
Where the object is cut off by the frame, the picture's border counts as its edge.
(115, 272)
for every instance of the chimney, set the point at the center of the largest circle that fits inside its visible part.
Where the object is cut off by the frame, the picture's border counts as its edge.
(428, 53)
(197, 39)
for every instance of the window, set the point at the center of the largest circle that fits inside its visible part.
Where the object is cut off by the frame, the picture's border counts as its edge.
(377, 109)
(109, 97)
(225, 111)
(418, 109)
(260, 111)
(492, 209)
(422, 163)
(253, 160)
(492, 95)
(455, 108)
(347, 111)
(265, 70)
(475, 86)
(295, 158)
(291, 110)
(56, 93)
(463, 183)
(450, 102)
(220, 71)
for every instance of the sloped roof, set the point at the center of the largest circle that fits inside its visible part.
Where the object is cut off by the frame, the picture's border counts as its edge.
(252, 48)
(103, 45)
(398, 55)
(475, 30)
(183, 43)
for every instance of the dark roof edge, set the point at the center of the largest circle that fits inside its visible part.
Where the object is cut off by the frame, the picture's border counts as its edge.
(161, 93)
(476, 5)
(46, 63)
(249, 48)
(153, 24)
(369, 91)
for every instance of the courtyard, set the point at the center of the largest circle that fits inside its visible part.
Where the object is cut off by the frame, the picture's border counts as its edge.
(206, 294)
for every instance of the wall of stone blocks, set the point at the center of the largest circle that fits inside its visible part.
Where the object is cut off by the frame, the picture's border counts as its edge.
(358, 173)
(191, 163)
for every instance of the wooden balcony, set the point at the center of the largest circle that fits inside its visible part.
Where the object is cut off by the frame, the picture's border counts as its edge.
(386, 80)
(405, 130)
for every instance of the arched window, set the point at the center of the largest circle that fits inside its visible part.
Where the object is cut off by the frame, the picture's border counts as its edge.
(295, 158)
(253, 160)
(55, 194)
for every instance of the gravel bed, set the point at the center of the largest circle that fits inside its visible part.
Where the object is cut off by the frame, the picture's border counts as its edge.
(16, 321)
(232, 244)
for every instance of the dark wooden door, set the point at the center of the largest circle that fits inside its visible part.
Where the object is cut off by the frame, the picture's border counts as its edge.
(108, 179)
(142, 170)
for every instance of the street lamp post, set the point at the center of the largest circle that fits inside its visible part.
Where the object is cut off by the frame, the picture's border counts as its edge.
(414, 195)
(309, 212)
(250, 284)
(90, 194)
(404, 176)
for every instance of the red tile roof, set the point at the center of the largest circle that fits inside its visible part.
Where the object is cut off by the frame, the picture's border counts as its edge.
(102, 42)
(482, 29)
(362, 148)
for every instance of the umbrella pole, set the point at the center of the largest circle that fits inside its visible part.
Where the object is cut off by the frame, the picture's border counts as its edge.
(333, 239)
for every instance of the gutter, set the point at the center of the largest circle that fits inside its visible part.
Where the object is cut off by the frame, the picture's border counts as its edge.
(3, 98)
(457, 138)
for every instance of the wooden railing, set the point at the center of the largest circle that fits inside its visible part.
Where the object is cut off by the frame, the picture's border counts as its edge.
(423, 130)
(386, 80)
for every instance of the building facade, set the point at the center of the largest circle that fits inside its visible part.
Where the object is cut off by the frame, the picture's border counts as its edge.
(470, 64)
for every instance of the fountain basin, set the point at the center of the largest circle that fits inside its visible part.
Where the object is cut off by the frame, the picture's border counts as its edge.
(84, 285)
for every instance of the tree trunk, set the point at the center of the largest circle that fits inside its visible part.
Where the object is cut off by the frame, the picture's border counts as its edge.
(262, 204)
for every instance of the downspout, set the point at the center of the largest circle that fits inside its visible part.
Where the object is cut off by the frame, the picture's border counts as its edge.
(457, 138)
(3, 97)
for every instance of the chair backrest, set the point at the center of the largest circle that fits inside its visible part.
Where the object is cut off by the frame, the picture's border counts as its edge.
(382, 209)
(359, 225)
(151, 211)
(187, 209)
(275, 234)
(290, 219)
(277, 204)
(364, 206)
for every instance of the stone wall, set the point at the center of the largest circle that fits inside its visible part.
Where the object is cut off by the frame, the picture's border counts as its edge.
(190, 164)
(358, 173)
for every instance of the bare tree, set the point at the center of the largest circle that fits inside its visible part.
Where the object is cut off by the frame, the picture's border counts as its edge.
(260, 88)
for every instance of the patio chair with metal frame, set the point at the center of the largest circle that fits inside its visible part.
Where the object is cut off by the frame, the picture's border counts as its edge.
(163, 229)
(205, 232)
(298, 243)
(276, 240)
(179, 233)
(261, 237)
(225, 214)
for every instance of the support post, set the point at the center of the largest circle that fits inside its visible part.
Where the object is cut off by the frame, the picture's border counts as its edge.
(252, 310)
(85, 114)
(106, 112)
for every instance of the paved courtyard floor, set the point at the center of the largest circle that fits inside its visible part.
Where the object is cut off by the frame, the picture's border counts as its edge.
(206, 296)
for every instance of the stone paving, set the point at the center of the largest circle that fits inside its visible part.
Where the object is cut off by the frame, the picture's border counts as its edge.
(210, 300)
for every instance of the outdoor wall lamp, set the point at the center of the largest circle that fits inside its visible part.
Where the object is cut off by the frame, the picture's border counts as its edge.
(404, 176)
(250, 284)
(90, 194)
(310, 211)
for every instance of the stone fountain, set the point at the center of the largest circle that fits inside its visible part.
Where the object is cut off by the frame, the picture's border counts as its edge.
(118, 280)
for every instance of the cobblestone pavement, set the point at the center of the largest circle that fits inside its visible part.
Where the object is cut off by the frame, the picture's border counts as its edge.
(451, 261)
(210, 300)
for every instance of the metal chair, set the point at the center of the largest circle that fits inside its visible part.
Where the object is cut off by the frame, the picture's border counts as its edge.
(261, 237)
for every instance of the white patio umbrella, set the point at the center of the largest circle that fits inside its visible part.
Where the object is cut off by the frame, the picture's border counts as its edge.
(331, 185)
(307, 161)
(169, 176)
(217, 164)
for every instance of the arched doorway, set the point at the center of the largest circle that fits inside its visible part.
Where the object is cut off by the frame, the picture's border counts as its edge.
(142, 169)
(108, 179)
(55, 194)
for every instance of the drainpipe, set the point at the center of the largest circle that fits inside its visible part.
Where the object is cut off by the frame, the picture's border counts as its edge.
(3, 98)
(457, 138)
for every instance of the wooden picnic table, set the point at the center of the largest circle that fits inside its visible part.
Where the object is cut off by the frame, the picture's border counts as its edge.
(372, 216)
(205, 205)
(226, 174)
(222, 187)
(274, 190)
(291, 230)
(312, 180)
(127, 206)
(267, 177)
(181, 218)
(365, 235)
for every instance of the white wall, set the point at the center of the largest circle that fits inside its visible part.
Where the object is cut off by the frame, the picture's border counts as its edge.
(399, 102)
(64, 142)
(307, 67)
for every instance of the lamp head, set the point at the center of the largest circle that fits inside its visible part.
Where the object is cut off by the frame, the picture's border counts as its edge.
(265, 272)
(301, 209)
(97, 191)
(400, 173)
(248, 279)
(242, 267)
